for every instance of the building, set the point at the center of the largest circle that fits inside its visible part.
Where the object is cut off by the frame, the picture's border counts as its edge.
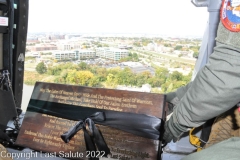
(70, 36)
(111, 53)
(85, 54)
(64, 55)
(74, 55)
(64, 46)
(101, 52)
(35, 54)
(42, 47)
(124, 47)
(68, 45)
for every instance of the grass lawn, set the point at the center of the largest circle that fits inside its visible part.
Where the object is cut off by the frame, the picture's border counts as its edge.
(30, 65)
(31, 77)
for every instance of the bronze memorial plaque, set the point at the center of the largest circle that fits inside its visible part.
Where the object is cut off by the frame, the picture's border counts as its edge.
(55, 108)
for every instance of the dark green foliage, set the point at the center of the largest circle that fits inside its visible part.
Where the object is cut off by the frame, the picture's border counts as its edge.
(137, 44)
(195, 54)
(77, 74)
(178, 48)
(41, 68)
(167, 45)
(56, 70)
(83, 66)
(176, 76)
(131, 57)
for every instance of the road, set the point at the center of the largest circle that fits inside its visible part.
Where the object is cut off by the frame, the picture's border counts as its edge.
(190, 61)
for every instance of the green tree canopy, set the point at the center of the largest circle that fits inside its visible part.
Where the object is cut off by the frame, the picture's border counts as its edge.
(178, 47)
(130, 57)
(41, 68)
(167, 45)
(137, 44)
(83, 66)
(155, 82)
(102, 74)
(125, 77)
(161, 73)
(84, 78)
(195, 54)
(142, 78)
(176, 76)
(110, 79)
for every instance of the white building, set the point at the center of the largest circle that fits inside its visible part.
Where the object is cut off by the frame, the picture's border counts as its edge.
(111, 53)
(101, 52)
(66, 45)
(64, 55)
(77, 55)
(70, 36)
(85, 54)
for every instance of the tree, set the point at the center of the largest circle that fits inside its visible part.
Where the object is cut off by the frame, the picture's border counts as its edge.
(176, 76)
(188, 77)
(135, 57)
(41, 68)
(155, 82)
(125, 76)
(167, 45)
(180, 55)
(162, 73)
(102, 74)
(146, 41)
(178, 48)
(59, 79)
(82, 66)
(137, 44)
(93, 82)
(195, 54)
(142, 78)
(55, 70)
(114, 71)
(105, 45)
(110, 79)
(84, 78)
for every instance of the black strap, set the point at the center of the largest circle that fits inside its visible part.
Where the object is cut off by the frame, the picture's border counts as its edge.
(92, 136)
(138, 124)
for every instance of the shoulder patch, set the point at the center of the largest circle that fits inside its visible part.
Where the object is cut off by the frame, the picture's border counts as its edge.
(230, 15)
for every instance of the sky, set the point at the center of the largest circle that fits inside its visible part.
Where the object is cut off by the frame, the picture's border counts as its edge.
(168, 17)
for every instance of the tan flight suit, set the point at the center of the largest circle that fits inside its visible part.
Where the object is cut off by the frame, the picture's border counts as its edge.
(225, 126)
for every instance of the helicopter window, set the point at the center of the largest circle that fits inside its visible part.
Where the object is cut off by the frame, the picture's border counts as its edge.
(105, 40)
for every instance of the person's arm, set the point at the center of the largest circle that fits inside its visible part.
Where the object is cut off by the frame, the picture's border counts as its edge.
(183, 90)
(174, 97)
(215, 89)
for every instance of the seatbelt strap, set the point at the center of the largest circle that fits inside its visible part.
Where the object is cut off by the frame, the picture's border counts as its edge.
(194, 140)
